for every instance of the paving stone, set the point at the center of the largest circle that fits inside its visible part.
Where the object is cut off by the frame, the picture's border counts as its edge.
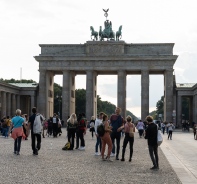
(53, 165)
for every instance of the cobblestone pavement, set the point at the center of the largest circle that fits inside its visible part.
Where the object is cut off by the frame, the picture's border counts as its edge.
(53, 165)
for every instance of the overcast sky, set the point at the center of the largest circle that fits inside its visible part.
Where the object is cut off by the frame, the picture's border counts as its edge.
(27, 23)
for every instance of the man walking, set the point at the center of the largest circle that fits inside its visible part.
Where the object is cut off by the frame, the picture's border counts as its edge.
(35, 135)
(151, 135)
(98, 139)
(116, 121)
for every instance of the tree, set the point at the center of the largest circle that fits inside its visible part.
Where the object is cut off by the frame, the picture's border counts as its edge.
(159, 106)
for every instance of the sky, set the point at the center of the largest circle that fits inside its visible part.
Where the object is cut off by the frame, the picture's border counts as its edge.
(25, 24)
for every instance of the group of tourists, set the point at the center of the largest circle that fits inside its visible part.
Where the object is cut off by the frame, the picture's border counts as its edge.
(20, 126)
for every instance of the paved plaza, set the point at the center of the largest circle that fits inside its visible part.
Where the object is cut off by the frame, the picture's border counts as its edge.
(53, 165)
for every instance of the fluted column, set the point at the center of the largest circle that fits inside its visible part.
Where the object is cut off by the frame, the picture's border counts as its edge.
(18, 102)
(144, 94)
(32, 101)
(3, 105)
(42, 98)
(13, 104)
(121, 99)
(179, 110)
(168, 95)
(195, 108)
(8, 104)
(91, 95)
(68, 94)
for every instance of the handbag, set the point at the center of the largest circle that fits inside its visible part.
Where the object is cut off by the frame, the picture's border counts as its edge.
(159, 138)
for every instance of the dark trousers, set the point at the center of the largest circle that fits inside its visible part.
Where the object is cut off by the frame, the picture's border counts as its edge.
(71, 137)
(116, 135)
(153, 151)
(141, 132)
(17, 144)
(77, 138)
(163, 130)
(55, 129)
(125, 142)
(170, 134)
(35, 138)
(98, 143)
(81, 137)
(49, 130)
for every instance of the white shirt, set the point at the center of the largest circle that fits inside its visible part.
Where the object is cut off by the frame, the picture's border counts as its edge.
(97, 123)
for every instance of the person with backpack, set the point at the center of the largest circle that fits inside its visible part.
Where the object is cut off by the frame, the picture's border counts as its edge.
(17, 132)
(129, 129)
(116, 121)
(35, 122)
(98, 139)
(106, 139)
(81, 130)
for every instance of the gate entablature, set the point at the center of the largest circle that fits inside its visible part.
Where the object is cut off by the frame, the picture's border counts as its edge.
(105, 57)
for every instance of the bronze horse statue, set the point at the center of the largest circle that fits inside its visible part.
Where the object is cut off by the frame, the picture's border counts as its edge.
(119, 34)
(94, 33)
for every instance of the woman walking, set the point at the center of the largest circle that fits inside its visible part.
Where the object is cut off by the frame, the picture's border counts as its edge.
(170, 129)
(140, 127)
(17, 132)
(92, 123)
(106, 139)
(129, 129)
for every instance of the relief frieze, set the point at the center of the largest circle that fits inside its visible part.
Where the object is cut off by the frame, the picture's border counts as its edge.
(100, 50)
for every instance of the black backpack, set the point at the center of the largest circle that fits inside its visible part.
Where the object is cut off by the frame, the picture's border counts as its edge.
(101, 130)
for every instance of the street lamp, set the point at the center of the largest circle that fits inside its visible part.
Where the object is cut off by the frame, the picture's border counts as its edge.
(59, 101)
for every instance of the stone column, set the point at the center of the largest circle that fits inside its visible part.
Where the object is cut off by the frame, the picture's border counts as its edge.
(190, 110)
(68, 94)
(32, 101)
(8, 104)
(179, 111)
(91, 101)
(18, 102)
(13, 104)
(3, 105)
(168, 95)
(121, 99)
(42, 97)
(195, 108)
(144, 94)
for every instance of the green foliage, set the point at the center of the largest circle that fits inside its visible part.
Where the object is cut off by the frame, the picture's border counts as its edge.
(154, 114)
(159, 106)
(57, 99)
(18, 81)
(80, 101)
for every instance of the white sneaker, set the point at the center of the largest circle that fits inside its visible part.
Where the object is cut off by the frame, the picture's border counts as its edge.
(82, 148)
(97, 154)
(112, 155)
(109, 160)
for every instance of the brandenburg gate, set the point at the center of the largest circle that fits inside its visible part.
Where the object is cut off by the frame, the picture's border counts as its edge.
(104, 57)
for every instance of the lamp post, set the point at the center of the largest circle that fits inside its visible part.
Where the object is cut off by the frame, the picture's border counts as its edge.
(59, 101)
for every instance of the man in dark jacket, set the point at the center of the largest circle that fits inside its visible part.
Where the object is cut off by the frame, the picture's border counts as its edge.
(151, 135)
